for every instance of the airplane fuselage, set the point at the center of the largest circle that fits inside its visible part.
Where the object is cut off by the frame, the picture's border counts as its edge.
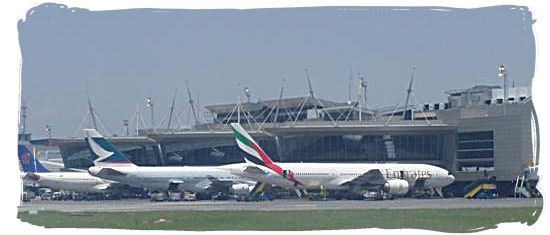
(333, 176)
(189, 178)
(69, 181)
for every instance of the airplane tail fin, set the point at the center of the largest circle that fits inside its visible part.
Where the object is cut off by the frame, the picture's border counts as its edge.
(104, 152)
(254, 153)
(28, 162)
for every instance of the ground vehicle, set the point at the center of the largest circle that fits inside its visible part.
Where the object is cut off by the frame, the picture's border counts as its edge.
(189, 197)
(57, 196)
(481, 189)
(25, 197)
(174, 196)
(373, 195)
(46, 196)
(157, 197)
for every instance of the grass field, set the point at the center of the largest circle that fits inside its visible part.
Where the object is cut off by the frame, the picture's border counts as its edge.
(445, 220)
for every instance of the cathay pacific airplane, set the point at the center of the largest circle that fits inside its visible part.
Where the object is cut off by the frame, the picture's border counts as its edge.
(35, 172)
(391, 178)
(112, 164)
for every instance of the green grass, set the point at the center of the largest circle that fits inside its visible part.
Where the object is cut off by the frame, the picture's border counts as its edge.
(444, 220)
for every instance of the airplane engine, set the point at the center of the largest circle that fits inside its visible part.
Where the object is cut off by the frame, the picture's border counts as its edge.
(241, 189)
(396, 187)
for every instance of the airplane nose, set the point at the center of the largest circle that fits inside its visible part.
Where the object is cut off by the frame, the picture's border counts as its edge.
(450, 179)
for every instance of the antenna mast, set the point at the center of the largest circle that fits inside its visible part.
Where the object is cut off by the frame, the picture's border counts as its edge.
(349, 84)
(312, 96)
(409, 90)
(191, 103)
(92, 113)
(172, 109)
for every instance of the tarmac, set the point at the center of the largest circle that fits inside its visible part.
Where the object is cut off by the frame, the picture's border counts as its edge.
(137, 205)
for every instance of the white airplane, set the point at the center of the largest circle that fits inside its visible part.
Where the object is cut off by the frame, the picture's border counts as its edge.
(392, 179)
(36, 173)
(112, 164)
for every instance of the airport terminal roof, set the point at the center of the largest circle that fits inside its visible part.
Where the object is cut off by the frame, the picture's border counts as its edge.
(294, 102)
(474, 89)
(79, 141)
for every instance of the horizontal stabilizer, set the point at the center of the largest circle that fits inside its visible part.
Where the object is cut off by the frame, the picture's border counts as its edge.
(74, 170)
(254, 170)
(31, 176)
(106, 172)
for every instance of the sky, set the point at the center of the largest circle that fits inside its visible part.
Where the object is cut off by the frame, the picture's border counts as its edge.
(120, 57)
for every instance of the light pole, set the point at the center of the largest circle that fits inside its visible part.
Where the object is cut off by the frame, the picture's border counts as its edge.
(502, 75)
(247, 93)
(49, 130)
(150, 104)
(362, 96)
(23, 118)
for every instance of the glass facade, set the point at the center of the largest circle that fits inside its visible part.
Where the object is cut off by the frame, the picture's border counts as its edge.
(204, 151)
(475, 150)
(350, 148)
(211, 152)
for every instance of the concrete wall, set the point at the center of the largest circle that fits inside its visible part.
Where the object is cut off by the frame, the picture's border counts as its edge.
(512, 138)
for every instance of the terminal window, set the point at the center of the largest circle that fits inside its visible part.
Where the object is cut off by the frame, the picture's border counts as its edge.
(475, 150)
(357, 147)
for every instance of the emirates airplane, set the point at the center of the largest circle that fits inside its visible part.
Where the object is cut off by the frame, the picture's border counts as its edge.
(391, 178)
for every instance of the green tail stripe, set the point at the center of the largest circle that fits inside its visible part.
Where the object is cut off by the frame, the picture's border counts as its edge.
(243, 139)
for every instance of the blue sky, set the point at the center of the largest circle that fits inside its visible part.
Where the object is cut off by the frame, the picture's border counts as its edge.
(122, 56)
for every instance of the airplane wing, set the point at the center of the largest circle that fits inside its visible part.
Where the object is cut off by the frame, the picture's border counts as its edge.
(102, 186)
(117, 185)
(370, 178)
(217, 182)
(111, 185)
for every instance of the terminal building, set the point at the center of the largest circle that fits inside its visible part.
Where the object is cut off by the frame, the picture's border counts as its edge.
(477, 133)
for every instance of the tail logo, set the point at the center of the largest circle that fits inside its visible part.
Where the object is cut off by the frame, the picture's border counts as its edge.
(256, 154)
(26, 158)
(28, 162)
(98, 150)
(103, 151)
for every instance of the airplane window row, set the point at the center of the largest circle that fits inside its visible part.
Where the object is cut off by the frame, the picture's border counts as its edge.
(352, 174)
(298, 173)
